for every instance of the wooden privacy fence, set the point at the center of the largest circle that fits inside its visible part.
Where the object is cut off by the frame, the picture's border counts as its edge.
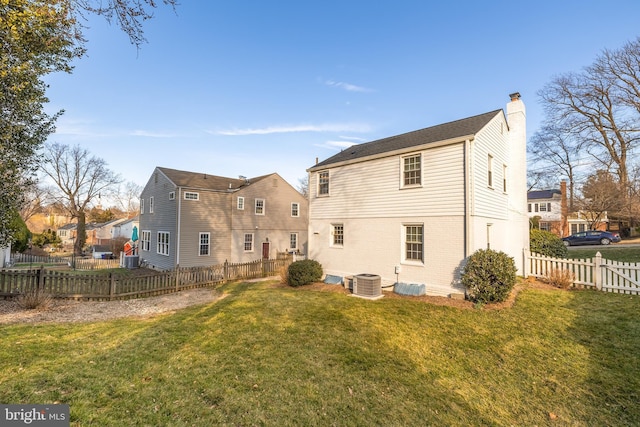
(113, 285)
(597, 273)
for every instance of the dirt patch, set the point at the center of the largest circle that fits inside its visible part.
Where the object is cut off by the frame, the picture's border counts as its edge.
(438, 300)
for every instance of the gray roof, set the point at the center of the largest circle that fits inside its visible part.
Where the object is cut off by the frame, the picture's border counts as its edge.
(542, 194)
(442, 132)
(205, 181)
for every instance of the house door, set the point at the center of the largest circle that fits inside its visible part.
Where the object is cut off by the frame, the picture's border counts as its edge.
(265, 250)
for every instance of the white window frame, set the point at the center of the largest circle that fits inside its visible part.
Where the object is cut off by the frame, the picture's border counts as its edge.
(295, 209)
(145, 240)
(337, 235)
(248, 240)
(141, 206)
(324, 181)
(406, 242)
(408, 174)
(260, 207)
(164, 239)
(172, 195)
(151, 204)
(191, 195)
(504, 178)
(293, 241)
(204, 243)
(240, 203)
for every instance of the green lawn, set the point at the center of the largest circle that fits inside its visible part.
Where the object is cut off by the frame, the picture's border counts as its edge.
(615, 252)
(290, 357)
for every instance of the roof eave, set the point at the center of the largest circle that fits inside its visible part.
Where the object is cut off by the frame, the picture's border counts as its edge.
(414, 148)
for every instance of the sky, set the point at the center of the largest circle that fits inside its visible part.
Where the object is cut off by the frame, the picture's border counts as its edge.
(250, 87)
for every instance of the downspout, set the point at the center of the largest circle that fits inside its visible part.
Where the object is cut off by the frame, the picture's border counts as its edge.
(467, 197)
(178, 226)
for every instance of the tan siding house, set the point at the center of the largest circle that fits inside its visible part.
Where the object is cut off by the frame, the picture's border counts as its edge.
(411, 208)
(192, 219)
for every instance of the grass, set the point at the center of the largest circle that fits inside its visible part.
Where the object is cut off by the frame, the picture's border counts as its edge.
(615, 253)
(289, 357)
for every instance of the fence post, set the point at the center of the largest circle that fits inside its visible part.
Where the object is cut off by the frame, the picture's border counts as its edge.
(112, 288)
(597, 271)
(177, 276)
(40, 279)
(525, 259)
(226, 270)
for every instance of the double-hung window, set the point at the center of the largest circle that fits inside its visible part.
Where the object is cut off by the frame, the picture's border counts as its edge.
(259, 207)
(145, 240)
(490, 171)
(295, 209)
(337, 234)
(248, 242)
(293, 241)
(151, 204)
(412, 170)
(414, 242)
(141, 206)
(323, 183)
(205, 239)
(163, 243)
(240, 204)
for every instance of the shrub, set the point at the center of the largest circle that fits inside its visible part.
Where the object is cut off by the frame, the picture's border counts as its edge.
(34, 298)
(560, 278)
(489, 276)
(304, 272)
(546, 243)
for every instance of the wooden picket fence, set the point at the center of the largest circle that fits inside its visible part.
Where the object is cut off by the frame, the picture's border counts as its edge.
(597, 273)
(112, 285)
(78, 263)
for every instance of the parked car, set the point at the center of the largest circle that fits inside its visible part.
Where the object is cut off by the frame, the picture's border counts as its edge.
(591, 237)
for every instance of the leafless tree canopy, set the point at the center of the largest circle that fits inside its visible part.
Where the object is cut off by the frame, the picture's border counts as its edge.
(79, 178)
(593, 116)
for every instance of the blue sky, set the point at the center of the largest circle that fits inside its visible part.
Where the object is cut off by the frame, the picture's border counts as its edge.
(252, 87)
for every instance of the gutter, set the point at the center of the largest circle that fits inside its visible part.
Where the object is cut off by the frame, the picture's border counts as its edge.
(178, 218)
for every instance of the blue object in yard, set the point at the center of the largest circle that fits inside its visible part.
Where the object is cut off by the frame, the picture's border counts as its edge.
(134, 234)
(333, 280)
(410, 289)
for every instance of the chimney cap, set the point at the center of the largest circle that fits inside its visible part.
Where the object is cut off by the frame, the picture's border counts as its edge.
(514, 96)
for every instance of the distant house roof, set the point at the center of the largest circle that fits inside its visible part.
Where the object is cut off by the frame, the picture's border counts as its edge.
(442, 132)
(205, 181)
(542, 194)
(71, 226)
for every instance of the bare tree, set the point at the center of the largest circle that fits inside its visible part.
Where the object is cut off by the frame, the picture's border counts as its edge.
(600, 195)
(79, 178)
(599, 107)
(127, 198)
(303, 186)
(559, 149)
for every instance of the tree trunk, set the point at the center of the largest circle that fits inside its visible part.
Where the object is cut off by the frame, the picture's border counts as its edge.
(82, 234)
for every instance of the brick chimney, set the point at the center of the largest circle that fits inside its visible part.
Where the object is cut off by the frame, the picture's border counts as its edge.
(564, 209)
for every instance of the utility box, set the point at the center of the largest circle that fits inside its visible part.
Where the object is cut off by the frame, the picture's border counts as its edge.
(367, 286)
(131, 261)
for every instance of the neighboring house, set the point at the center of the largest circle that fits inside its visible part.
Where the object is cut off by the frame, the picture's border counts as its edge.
(67, 234)
(125, 228)
(192, 219)
(582, 221)
(102, 232)
(411, 208)
(101, 252)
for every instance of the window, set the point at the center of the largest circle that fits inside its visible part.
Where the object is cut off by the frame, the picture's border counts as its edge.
(490, 171)
(240, 204)
(191, 196)
(543, 207)
(205, 238)
(145, 240)
(546, 226)
(151, 204)
(504, 178)
(529, 207)
(248, 242)
(172, 195)
(323, 183)
(413, 239)
(259, 206)
(295, 209)
(141, 206)
(411, 170)
(337, 232)
(163, 243)
(293, 241)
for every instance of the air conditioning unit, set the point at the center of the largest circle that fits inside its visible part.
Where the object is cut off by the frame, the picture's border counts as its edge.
(367, 286)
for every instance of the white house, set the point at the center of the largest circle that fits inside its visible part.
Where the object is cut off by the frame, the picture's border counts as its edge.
(411, 208)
